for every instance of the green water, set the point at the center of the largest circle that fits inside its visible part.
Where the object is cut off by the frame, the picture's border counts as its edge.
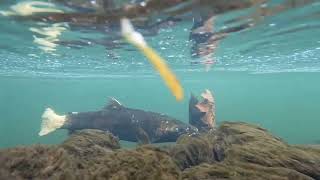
(287, 104)
(266, 74)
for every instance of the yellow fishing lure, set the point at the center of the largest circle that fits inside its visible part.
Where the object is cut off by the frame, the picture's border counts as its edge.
(158, 63)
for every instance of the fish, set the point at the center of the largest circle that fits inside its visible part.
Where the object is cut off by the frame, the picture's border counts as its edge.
(202, 113)
(128, 124)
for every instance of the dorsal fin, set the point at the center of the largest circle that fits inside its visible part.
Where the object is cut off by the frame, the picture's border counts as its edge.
(113, 103)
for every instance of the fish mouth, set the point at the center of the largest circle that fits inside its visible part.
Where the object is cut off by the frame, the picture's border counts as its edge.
(202, 113)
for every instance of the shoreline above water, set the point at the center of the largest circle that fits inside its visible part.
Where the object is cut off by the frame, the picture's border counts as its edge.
(234, 150)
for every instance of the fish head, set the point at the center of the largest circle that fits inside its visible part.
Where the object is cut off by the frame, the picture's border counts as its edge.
(202, 113)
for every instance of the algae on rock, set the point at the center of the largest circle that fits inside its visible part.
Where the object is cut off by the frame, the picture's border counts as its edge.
(232, 151)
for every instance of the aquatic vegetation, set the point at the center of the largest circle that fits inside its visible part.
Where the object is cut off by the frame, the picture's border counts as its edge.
(159, 64)
(232, 151)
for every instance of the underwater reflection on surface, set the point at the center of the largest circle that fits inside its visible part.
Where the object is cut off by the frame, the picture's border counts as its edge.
(75, 24)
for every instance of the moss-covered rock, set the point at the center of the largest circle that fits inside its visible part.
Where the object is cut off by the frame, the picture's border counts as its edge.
(87, 154)
(241, 172)
(145, 162)
(90, 143)
(245, 150)
(37, 162)
(232, 151)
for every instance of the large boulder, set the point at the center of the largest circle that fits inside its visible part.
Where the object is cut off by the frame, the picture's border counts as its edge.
(90, 143)
(245, 151)
(145, 162)
(241, 172)
(87, 154)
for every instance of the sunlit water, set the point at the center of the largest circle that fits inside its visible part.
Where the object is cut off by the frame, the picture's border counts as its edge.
(267, 74)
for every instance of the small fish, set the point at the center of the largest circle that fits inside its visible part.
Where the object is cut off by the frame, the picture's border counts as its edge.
(128, 124)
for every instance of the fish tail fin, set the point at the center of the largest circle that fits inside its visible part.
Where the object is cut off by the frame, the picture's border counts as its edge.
(51, 121)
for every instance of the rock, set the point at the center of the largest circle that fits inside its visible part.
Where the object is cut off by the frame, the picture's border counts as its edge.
(89, 143)
(245, 150)
(254, 145)
(87, 154)
(314, 146)
(36, 162)
(145, 162)
(241, 172)
(232, 151)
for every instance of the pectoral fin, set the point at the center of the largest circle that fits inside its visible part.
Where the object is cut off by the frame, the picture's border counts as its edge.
(142, 136)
